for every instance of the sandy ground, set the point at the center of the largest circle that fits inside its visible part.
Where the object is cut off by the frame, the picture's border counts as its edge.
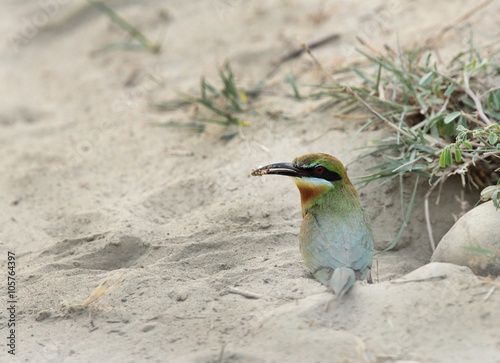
(168, 220)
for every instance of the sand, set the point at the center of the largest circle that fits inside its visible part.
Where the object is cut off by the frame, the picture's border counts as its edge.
(129, 237)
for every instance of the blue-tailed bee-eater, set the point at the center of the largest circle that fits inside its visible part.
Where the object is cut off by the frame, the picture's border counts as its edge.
(336, 240)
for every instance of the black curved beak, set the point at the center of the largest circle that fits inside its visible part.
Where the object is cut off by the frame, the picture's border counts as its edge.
(287, 169)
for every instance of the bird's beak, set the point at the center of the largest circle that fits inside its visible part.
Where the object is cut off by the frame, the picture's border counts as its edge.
(287, 169)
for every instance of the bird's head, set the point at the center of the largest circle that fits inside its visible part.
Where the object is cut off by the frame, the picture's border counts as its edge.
(314, 174)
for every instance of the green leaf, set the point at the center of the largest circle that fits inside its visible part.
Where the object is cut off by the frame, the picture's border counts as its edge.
(496, 199)
(422, 103)
(494, 100)
(487, 192)
(458, 154)
(291, 79)
(449, 130)
(467, 144)
(462, 121)
(450, 117)
(442, 161)
(449, 90)
(492, 139)
(448, 156)
(426, 79)
(434, 131)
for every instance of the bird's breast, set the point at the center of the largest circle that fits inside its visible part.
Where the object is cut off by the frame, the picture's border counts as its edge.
(331, 241)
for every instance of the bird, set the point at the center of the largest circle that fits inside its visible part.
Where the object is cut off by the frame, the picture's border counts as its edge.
(336, 238)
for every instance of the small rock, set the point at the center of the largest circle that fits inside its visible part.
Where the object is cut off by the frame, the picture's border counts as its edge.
(473, 241)
(42, 315)
(181, 296)
(148, 328)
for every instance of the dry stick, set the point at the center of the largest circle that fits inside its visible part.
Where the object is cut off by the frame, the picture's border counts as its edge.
(492, 153)
(369, 46)
(491, 282)
(472, 119)
(435, 277)
(247, 294)
(221, 354)
(387, 122)
(327, 305)
(472, 95)
(489, 293)
(487, 92)
(298, 51)
(431, 41)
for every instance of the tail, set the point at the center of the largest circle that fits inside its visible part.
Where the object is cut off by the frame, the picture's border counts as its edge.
(342, 280)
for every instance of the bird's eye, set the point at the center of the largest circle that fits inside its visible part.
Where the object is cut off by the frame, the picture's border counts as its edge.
(319, 169)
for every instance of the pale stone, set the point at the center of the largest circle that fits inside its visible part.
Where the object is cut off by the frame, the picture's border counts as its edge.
(473, 241)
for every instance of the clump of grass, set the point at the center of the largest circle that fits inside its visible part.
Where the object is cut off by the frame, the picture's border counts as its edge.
(480, 143)
(225, 105)
(437, 111)
(141, 39)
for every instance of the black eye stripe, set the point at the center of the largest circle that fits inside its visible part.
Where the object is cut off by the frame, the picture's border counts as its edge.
(327, 174)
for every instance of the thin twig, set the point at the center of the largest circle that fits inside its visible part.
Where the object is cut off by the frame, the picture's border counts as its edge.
(472, 119)
(247, 294)
(221, 354)
(487, 92)
(298, 51)
(476, 100)
(435, 277)
(489, 281)
(369, 46)
(491, 153)
(176, 152)
(378, 115)
(327, 305)
(318, 64)
(489, 293)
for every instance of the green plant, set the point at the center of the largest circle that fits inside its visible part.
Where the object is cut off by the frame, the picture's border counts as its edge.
(472, 145)
(432, 108)
(225, 104)
(142, 40)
